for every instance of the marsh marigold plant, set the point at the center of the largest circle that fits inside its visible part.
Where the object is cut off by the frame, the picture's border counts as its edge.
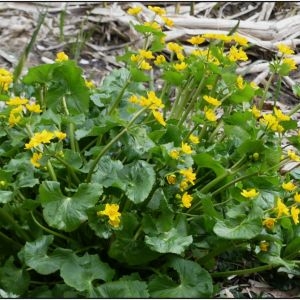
(157, 183)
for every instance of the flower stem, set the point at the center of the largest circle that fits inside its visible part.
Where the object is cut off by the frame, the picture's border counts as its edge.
(49, 230)
(242, 272)
(107, 147)
(51, 170)
(263, 98)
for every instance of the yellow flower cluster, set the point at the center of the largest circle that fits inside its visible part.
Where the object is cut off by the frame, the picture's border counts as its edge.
(161, 12)
(141, 59)
(272, 121)
(249, 193)
(19, 105)
(112, 212)
(44, 137)
(236, 54)
(238, 39)
(6, 79)
(61, 56)
(153, 103)
(293, 156)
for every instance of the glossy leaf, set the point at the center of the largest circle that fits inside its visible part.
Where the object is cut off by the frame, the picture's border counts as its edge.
(67, 213)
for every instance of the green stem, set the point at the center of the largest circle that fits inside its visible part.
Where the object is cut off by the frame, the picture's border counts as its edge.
(263, 98)
(294, 110)
(4, 216)
(177, 100)
(192, 101)
(233, 182)
(73, 142)
(9, 240)
(51, 170)
(49, 230)
(119, 98)
(69, 167)
(107, 147)
(242, 272)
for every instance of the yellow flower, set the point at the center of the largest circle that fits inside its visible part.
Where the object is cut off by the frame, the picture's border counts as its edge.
(255, 156)
(145, 65)
(284, 49)
(280, 115)
(254, 85)
(158, 10)
(112, 211)
(237, 54)
(155, 102)
(217, 36)
(295, 214)
(146, 54)
(134, 58)
(255, 111)
(269, 223)
(89, 84)
(264, 246)
(17, 101)
(60, 135)
(240, 40)
(174, 47)
(34, 108)
(160, 59)
(168, 22)
(174, 154)
(13, 119)
(290, 62)
(180, 56)
(289, 186)
(186, 148)
(281, 208)
(171, 179)
(297, 197)
(293, 156)
(6, 78)
(35, 158)
(159, 117)
(194, 139)
(210, 115)
(186, 200)
(183, 185)
(240, 82)
(17, 110)
(38, 138)
(134, 99)
(189, 175)
(250, 193)
(180, 67)
(61, 56)
(196, 40)
(153, 25)
(211, 100)
(134, 10)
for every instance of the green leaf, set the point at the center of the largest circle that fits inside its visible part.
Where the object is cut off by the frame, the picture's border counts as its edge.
(107, 173)
(194, 282)
(139, 177)
(247, 229)
(6, 196)
(137, 142)
(173, 77)
(204, 160)
(10, 275)
(36, 257)
(139, 75)
(296, 89)
(67, 213)
(39, 74)
(123, 289)
(292, 247)
(79, 272)
(169, 242)
(131, 252)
